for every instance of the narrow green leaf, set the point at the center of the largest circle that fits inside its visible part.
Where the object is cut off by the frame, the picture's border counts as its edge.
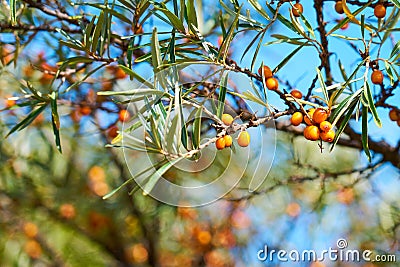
(362, 26)
(72, 45)
(365, 132)
(395, 50)
(55, 119)
(323, 86)
(282, 19)
(396, 2)
(27, 120)
(371, 104)
(191, 13)
(389, 72)
(307, 24)
(152, 181)
(97, 32)
(222, 94)
(259, 8)
(337, 93)
(155, 50)
(224, 49)
(88, 33)
(13, 10)
(136, 76)
(344, 123)
(197, 128)
(286, 59)
(253, 61)
(175, 22)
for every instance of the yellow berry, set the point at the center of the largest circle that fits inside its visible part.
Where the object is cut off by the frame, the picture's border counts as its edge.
(227, 119)
(228, 140)
(243, 139)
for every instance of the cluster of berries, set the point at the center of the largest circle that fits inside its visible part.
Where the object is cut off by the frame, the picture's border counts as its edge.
(243, 139)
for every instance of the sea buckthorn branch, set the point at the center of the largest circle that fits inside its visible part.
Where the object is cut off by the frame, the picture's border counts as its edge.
(8, 27)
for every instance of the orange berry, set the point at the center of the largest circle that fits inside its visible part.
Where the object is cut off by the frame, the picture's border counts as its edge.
(6, 55)
(297, 9)
(345, 196)
(123, 115)
(377, 77)
(394, 115)
(9, 103)
(310, 114)
(33, 249)
(220, 40)
(296, 118)
(339, 7)
(293, 209)
(228, 140)
(85, 110)
(320, 115)
(296, 94)
(67, 211)
(30, 230)
(311, 132)
(227, 119)
(243, 139)
(380, 11)
(220, 143)
(267, 72)
(272, 84)
(204, 237)
(398, 123)
(112, 132)
(328, 136)
(325, 126)
(75, 116)
(116, 71)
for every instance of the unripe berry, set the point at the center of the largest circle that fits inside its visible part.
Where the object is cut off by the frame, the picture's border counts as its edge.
(377, 77)
(320, 115)
(328, 136)
(123, 115)
(380, 11)
(310, 114)
(394, 115)
(227, 119)
(339, 7)
(296, 118)
(243, 139)
(311, 133)
(267, 72)
(296, 94)
(272, 84)
(228, 140)
(220, 143)
(325, 126)
(297, 9)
